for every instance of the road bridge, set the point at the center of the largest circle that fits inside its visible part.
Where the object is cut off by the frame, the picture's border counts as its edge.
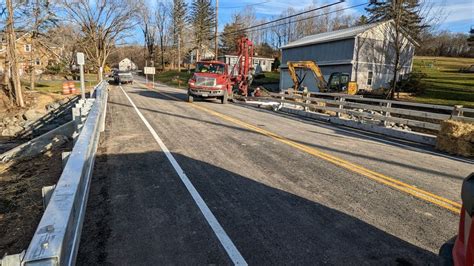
(205, 183)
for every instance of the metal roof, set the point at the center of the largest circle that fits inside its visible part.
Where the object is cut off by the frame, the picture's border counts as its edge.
(330, 36)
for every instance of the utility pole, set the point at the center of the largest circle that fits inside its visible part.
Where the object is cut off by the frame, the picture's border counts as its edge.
(179, 53)
(216, 40)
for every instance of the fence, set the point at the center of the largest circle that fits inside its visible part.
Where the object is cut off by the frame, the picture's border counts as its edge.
(57, 236)
(417, 115)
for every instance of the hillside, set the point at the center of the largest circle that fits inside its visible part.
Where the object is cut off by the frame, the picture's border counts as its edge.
(444, 83)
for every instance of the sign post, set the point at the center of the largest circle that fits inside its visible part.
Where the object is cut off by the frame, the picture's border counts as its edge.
(151, 71)
(80, 62)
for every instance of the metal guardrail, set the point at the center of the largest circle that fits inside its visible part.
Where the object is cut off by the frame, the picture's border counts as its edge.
(426, 116)
(57, 236)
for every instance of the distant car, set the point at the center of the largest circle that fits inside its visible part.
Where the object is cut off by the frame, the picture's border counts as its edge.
(121, 77)
(459, 251)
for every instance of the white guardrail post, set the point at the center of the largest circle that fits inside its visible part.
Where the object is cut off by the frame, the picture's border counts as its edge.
(57, 236)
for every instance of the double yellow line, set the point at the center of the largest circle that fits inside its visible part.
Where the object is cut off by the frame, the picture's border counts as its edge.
(383, 179)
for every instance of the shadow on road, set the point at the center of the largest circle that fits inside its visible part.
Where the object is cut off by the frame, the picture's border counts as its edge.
(337, 133)
(140, 211)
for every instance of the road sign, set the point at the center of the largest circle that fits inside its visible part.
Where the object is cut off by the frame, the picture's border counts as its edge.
(80, 58)
(149, 70)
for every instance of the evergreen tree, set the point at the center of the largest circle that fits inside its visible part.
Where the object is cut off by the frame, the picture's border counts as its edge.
(232, 32)
(362, 20)
(405, 13)
(178, 13)
(203, 21)
(406, 22)
(179, 19)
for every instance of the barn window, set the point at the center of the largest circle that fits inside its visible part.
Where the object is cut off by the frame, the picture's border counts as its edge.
(37, 62)
(27, 47)
(369, 78)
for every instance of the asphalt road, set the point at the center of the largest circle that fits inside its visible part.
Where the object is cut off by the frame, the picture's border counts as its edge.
(274, 201)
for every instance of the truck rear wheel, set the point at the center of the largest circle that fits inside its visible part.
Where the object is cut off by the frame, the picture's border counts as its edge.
(190, 98)
(224, 98)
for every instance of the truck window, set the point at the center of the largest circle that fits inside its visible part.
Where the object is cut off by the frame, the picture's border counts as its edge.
(210, 68)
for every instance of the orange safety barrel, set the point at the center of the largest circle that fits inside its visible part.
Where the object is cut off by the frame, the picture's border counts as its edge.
(72, 88)
(66, 88)
(463, 251)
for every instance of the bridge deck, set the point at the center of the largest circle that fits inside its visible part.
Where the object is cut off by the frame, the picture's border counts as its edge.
(276, 201)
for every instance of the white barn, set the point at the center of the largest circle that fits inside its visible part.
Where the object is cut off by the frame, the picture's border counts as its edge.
(362, 51)
(127, 65)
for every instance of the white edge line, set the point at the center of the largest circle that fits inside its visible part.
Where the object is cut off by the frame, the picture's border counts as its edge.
(226, 242)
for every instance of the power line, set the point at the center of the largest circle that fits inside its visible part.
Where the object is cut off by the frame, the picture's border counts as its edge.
(299, 20)
(283, 18)
(254, 4)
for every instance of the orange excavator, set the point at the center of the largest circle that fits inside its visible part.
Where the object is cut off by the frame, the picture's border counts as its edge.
(338, 81)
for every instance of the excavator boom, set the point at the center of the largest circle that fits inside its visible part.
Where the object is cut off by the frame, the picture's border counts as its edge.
(338, 81)
(292, 65)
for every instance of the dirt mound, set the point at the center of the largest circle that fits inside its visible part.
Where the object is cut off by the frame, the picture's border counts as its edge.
(21, 204)
(456, 137)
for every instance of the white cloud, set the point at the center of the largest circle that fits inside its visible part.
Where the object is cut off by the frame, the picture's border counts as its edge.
(461, 11)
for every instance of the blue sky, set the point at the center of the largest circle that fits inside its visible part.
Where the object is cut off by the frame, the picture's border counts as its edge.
(459, 14)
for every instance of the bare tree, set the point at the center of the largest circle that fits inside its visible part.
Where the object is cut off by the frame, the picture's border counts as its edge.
(43, 16)
(406, 24)
(162, 15)
(147, 24)
(64, 35)
(12, 77)
(103, 23)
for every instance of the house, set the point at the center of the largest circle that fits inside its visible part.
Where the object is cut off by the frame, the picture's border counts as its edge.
(362, 51)
(205, 53)
(43, 56)
(265, 64)
(127, 65)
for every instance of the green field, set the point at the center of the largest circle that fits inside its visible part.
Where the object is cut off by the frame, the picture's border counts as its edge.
(173, 78)
(56, 86)
(444, 83)
(170, 77)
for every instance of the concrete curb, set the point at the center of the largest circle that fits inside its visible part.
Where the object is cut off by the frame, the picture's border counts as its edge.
(400, 134)
(390, 132)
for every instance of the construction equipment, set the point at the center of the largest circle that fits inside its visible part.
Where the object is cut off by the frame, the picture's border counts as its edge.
(214, 79)
(338, 81)
(243, 77)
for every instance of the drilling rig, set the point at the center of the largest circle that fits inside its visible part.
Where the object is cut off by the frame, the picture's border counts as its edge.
(215, 79)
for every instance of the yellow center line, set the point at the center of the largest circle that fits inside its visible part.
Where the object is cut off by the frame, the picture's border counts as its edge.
(378, 177)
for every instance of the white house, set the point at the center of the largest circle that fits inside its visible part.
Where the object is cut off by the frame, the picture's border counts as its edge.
(365, 52)
(127, 65)
(262, 63)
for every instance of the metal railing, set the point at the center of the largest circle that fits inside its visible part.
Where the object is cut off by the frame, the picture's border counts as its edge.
(57, 236)
(418, 115)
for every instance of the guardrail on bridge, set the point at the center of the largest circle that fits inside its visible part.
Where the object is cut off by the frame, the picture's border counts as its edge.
(57, 236)
(355, 110)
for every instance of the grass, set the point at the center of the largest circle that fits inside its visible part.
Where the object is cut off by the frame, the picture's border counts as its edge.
(270, 77)
(173, 78)
(444, 84)
(170, 78)
(56, 86)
